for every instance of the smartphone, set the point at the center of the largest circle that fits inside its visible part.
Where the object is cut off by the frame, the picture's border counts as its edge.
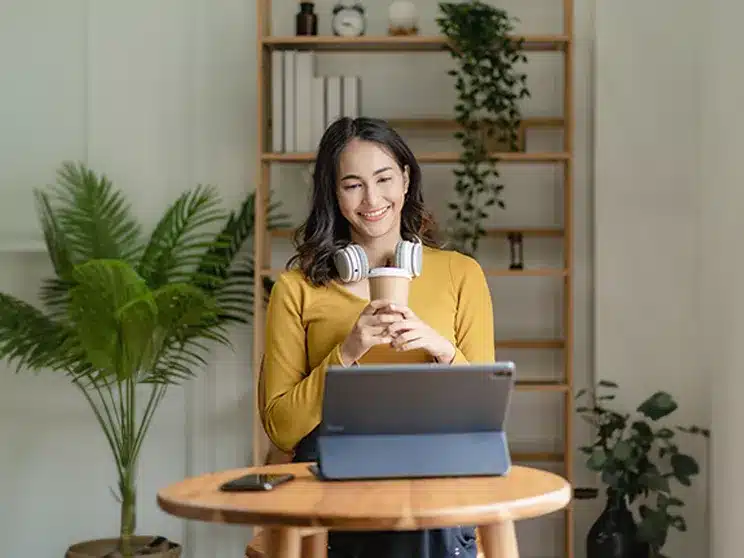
(256, 482)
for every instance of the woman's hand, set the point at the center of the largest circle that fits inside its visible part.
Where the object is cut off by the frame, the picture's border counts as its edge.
(369, 330)
(411, 333)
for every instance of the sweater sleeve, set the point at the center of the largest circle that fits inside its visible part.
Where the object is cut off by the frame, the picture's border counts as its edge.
(291, 394)
(474, 336)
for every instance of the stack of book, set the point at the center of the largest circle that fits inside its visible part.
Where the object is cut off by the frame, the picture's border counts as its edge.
(304, 104)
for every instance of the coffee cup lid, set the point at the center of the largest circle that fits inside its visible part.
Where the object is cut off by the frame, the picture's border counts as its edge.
(389, 272)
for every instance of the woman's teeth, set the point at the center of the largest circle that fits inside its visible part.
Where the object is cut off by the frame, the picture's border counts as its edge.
(375, 215)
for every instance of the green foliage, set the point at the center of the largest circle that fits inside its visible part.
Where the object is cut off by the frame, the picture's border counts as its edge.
(489, 89)
(125, 313)
(639, 459)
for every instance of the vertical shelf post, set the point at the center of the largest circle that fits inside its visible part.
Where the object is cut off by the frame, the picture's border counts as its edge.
(260, 238)
(568, 241)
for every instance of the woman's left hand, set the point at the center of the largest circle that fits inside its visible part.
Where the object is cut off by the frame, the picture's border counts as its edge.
(412, 333)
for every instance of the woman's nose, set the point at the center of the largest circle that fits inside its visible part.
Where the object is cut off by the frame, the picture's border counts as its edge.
(371, 194)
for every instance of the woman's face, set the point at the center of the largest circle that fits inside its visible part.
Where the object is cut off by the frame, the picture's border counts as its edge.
(371, 190)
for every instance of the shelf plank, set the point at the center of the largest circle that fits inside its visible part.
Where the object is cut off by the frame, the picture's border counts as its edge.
(536, 457)
(434, 157)
(384, 43)
(530, 343)
(537, 272)
(535, 232)
(538, 232)
(436, 123)
(535, 385)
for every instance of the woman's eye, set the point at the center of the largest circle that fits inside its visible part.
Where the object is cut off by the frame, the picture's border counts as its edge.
(385, 179)
(350, 186)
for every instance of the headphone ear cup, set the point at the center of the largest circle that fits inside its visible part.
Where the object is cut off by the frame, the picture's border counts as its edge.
(408, 256)
(361, 263)
(417, 258)
(351, 263)
(342, 260)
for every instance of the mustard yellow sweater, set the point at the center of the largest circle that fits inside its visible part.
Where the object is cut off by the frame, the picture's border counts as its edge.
(306, 326)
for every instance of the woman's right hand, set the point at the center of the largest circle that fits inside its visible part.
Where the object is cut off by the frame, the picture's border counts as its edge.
(369, 330)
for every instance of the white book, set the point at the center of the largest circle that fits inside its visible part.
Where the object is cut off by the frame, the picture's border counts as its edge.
(277, 101)
(333, 99)
(304, 71)
(319, 110)
(351, 96)
(290, 143)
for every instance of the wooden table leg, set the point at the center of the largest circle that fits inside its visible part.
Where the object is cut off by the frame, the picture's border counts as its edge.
(282, 542)
(315, 546)
(499, 540)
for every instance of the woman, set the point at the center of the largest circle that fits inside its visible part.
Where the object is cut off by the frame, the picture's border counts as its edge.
(367, 191)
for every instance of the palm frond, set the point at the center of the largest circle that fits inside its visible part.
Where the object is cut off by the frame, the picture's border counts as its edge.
(232, 281)
(94, 217)
(54, 292)
(55, 295)
(54, 236)
(31, 340)
(182, 306)
(181, 236)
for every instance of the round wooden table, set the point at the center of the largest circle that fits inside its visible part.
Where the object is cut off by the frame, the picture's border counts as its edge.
(493, 504)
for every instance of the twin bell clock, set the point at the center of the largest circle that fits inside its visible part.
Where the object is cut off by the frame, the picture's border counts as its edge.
(349, 18)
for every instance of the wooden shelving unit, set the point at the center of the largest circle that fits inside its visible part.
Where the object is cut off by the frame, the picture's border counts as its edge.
(562, 43)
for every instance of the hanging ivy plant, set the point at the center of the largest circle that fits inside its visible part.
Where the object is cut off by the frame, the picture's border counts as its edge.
(489, 89)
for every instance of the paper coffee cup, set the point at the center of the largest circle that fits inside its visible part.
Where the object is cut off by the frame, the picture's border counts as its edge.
(389, 283)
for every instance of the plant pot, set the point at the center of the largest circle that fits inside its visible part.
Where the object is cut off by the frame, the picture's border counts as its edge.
(108, 548)
(614, 533)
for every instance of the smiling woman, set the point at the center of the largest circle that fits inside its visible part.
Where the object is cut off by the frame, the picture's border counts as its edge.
(367, 190)
(367, 211)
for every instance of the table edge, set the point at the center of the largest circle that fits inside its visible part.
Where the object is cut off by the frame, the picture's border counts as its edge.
(517, 510)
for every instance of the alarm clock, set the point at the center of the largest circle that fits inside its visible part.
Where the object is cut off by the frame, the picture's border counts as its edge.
(348, 20)
(403, 18)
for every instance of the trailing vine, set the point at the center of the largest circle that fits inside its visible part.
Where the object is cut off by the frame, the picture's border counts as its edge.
(489, 89)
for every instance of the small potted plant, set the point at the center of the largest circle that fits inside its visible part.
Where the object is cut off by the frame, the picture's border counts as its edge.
(128, 315)
(638, 460)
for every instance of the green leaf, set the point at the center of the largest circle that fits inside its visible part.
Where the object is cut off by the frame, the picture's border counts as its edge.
(654, 481)
(684, 465)
(643, 430)
(622, 451)
(109, 305)
(658, 406)
(653, 527)
(597, 459)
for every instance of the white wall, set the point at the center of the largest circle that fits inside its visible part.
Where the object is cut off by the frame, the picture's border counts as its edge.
(649, 250)
(721, 304)
(161, 96)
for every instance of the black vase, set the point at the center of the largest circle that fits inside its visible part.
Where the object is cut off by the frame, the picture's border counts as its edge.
(613, 534)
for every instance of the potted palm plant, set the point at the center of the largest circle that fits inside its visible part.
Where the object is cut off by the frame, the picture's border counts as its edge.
(128, 315)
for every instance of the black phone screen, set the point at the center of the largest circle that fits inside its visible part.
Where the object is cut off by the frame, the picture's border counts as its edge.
(256, 482)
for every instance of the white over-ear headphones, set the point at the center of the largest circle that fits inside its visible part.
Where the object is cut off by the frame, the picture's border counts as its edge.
(352, 263)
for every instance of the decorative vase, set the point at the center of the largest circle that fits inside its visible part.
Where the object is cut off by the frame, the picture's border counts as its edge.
(613, 534)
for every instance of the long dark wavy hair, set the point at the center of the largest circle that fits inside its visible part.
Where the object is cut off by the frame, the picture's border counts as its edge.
(326, 229)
